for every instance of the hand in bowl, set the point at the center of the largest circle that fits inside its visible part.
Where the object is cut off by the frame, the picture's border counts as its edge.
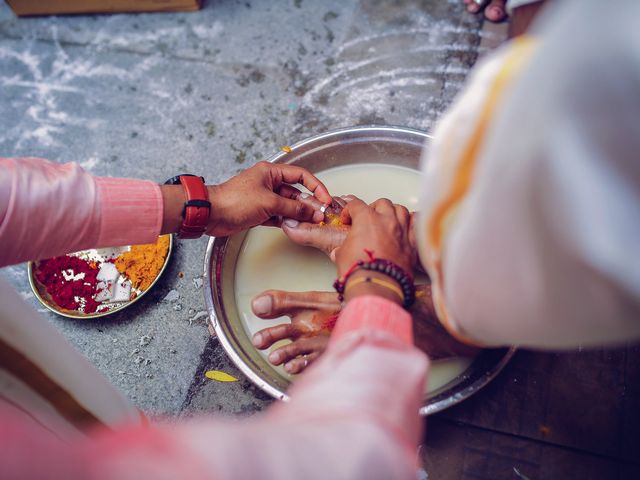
(328, 235)
(312, 314)
(382, 228)
(429, 334)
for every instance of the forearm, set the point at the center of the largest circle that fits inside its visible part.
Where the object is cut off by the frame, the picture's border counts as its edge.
(346, 394)
(343, 421)
(371, 342)
(49, 209)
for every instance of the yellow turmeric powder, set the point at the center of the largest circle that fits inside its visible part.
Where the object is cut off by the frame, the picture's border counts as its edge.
(143, 263)
(332, 220)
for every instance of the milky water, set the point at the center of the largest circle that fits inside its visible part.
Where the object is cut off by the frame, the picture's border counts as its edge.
(269, 260)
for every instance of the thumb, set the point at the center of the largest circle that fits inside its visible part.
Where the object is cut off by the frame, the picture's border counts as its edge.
(277, 303)
(325, 238)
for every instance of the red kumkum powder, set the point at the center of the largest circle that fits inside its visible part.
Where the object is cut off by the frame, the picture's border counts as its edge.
(330, 323)
(64, 292)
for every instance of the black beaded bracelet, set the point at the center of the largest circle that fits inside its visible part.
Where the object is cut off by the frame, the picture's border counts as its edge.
(385, 267)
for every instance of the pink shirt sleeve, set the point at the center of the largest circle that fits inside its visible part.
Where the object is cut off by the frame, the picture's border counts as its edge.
(353, 415)
(60, 208)
(374, 313)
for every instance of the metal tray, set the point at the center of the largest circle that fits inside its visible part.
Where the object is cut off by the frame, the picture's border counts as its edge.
(44, 298)
(371, 144)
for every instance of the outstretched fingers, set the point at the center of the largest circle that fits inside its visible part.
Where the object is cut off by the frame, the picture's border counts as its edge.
(277, 303)
(268, 336)
(299, 364)
(298, 354)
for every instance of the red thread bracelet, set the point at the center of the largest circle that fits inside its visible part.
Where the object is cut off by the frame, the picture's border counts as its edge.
(385, 267)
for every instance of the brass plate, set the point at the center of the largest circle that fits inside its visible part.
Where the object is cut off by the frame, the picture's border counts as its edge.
(45, 299)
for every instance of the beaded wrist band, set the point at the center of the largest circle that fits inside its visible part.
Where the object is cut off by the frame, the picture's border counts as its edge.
(386, 267)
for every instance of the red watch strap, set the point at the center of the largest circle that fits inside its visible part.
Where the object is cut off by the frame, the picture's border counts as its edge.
(196, 209)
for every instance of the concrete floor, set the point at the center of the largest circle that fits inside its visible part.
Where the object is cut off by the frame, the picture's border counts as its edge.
(211, 92)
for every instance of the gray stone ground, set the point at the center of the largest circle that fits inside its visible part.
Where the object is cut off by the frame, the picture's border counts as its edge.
(211, 92)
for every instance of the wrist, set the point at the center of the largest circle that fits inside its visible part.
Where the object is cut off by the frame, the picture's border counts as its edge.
(404, 280)
(173, 198)
(196, 207)
(215, 216)
(357, 286)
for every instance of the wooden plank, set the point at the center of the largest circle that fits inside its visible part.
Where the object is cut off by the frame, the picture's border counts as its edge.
(463, 452)
(631, 407)
(584, 400)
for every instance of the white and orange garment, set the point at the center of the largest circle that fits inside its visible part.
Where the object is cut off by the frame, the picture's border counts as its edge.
(530, 224)
(511, 5)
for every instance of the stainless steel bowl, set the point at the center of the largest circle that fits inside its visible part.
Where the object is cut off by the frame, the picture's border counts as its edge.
(374, 144)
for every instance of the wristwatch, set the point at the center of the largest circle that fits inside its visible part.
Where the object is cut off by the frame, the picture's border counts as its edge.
(195, 214)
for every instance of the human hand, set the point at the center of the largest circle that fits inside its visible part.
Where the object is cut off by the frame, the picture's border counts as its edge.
(382, 228)
(327, 235)
(379, 231)
(429, 334)
(260, 193)
(312, 317)
(330, 234)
